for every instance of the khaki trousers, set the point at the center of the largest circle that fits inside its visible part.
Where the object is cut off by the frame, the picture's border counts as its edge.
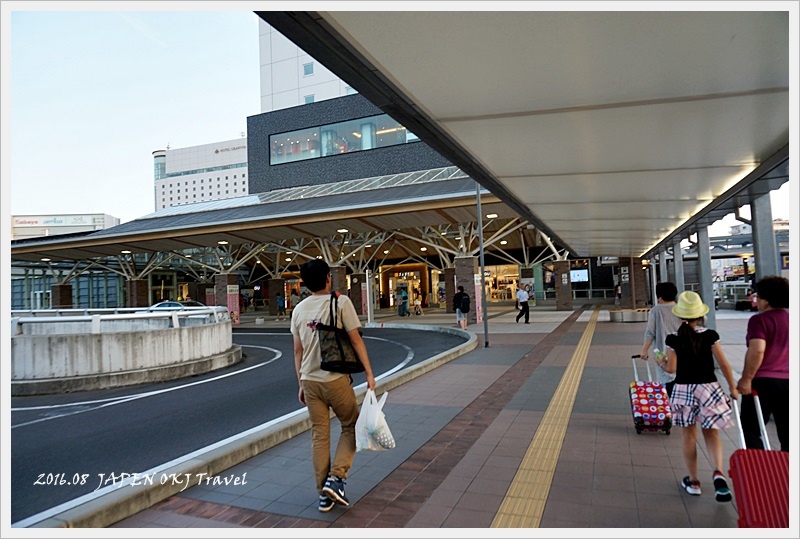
(320, 397)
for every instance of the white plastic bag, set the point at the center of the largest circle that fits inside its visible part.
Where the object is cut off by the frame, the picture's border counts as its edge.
(372, 431)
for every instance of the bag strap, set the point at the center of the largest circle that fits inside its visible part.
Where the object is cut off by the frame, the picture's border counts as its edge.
(333, 309)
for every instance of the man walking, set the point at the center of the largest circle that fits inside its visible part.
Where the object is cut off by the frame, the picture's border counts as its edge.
(766, 363)
(522, 303)
(322, 390)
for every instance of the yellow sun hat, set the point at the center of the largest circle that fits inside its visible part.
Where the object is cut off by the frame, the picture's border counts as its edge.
(690, 306)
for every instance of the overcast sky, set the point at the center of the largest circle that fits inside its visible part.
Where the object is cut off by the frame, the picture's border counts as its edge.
(94, 93)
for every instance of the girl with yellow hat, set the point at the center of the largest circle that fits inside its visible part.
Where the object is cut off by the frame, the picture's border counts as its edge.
(697, 396)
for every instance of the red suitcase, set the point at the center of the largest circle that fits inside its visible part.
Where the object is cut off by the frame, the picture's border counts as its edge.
(760, 481)
(649, 403)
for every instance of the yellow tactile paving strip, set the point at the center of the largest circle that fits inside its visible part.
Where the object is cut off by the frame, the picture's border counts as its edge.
(525, 499)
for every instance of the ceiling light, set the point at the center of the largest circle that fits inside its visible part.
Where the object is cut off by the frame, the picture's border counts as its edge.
(222, 242)
(45, 260)
(386, 252)
(319, 257)
(491, 216)
(126, 252)
(504, 242)
(341, 230)
(288, 259)
(423, 248)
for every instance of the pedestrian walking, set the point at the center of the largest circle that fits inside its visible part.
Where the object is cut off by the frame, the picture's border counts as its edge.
(461, 306)
(766, 363)
(522, 304)
(280, 301)
(697, 396)
(661, 322)
(320, 391)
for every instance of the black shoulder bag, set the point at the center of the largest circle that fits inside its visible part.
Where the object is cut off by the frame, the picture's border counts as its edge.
(336, 350)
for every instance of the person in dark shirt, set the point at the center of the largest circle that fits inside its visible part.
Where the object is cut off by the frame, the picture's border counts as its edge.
(766, 363)
(697, 396)
(458, 299)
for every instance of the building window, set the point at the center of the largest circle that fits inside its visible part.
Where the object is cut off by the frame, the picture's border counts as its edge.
(308, 69)
(349, 90)
(334, 139)
(308, 99)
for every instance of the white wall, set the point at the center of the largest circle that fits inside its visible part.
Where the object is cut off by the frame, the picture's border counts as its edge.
(283, 84)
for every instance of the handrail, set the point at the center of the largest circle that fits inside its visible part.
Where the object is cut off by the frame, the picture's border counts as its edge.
(220, 314)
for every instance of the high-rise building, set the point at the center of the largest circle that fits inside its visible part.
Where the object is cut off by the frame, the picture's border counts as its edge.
(290, 76)
(200, 173)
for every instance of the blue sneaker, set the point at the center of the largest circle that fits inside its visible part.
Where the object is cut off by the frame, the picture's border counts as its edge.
(334, 488)
(325, 503)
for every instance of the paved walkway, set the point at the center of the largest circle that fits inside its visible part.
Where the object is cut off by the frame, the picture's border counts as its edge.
(534, 431)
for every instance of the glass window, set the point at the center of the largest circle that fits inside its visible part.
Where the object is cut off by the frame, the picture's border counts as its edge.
(308, 69)
(333, 139)
(308, 99)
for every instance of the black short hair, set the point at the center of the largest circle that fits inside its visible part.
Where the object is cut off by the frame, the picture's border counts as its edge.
(666, 291)
(775, 290)
(460, 288)
(314, 274)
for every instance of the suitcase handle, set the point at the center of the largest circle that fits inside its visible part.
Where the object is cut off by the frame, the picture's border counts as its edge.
(762, 427)
(636, 372)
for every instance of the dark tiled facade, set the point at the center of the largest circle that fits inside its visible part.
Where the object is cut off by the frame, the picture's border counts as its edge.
(365, 164)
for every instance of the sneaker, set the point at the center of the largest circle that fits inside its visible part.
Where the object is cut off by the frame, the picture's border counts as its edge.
(723, 493)
(334, 488)
(692, 487)
(325, 503)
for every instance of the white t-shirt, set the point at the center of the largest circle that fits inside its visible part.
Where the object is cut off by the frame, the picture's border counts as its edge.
(308, 312)
(522, 296)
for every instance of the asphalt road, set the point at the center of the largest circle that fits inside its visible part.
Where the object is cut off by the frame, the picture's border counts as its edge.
(65, 446)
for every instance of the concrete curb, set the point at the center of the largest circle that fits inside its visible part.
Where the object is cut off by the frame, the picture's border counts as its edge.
(127, 499)
(26, 388)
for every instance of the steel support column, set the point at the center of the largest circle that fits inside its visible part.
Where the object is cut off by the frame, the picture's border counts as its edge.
(706, 290)
(764, 247)
(677, 261)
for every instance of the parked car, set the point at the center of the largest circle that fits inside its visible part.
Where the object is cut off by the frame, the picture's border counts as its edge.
(176, 305)
(168, 305)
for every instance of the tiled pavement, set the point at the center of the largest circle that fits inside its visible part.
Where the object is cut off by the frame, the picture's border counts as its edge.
(464, 429)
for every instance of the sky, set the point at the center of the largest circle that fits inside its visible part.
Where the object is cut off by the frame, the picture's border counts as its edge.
(94, 93)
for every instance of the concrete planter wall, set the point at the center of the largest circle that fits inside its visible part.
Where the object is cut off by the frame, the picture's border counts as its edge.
(47, 363)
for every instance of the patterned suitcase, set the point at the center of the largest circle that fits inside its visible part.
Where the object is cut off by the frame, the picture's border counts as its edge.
(649, 403)
(760, 480)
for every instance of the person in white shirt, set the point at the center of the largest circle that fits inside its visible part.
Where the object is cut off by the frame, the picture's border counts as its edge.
(522, 303)
(321, 390)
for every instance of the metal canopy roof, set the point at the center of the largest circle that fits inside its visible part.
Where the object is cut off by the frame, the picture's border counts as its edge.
(396, 202)
(613, 132)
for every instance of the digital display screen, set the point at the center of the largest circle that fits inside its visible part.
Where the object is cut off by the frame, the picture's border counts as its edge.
(579, 276)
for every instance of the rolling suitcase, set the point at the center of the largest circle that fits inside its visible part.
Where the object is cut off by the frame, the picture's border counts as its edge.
(760, 480)
(649, 402)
